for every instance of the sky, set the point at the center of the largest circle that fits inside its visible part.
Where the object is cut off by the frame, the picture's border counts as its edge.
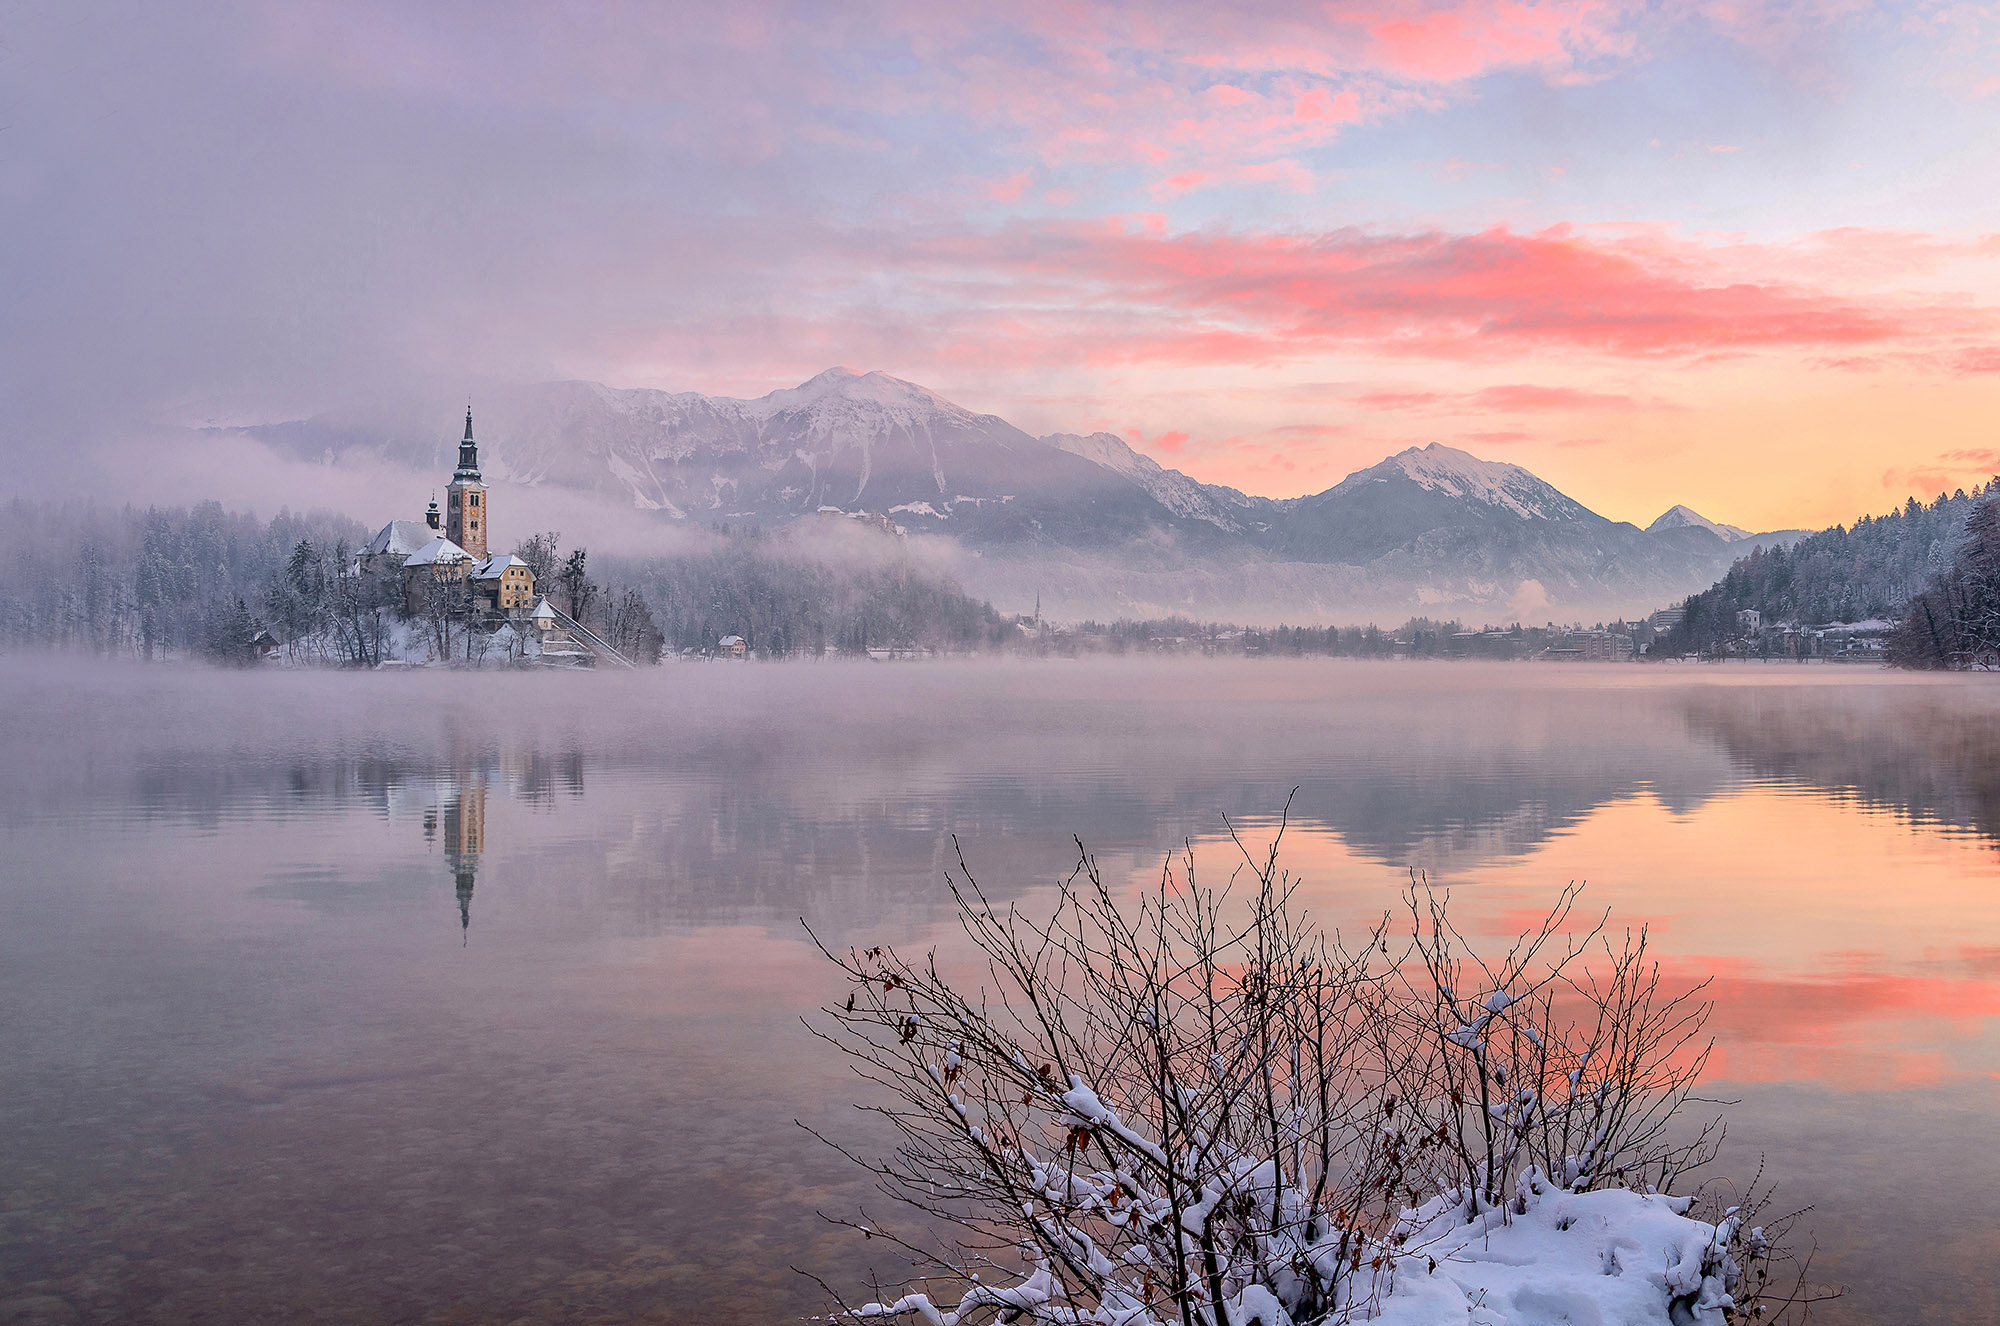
(1735, 255)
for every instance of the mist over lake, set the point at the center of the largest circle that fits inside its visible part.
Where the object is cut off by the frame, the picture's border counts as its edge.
(470, 996)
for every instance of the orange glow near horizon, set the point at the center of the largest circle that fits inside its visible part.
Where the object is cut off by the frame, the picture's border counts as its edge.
(1818, 971)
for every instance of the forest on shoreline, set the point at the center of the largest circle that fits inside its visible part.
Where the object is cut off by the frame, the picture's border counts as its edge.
(203, 582)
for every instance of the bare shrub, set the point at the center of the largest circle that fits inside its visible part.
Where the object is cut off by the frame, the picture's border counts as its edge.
(1193, 1105)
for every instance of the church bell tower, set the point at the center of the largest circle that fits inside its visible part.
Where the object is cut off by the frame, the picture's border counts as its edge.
(466, 515)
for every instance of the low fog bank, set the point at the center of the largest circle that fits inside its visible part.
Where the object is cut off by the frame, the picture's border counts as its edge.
(370, 484)
(382, 466)
(1263, 593)
(1202, 726)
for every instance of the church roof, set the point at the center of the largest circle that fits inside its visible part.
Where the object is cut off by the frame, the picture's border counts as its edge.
(400, 538)
(495, 566)
(440, 551)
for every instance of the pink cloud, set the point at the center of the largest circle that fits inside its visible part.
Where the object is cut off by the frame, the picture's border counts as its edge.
(1266, 297)
(1950, 470)
(1523, 398)
(1183, 182)
(1011, 188)
(1082, 296)
(1513, 398)
(1168, 442)
(1402, 400)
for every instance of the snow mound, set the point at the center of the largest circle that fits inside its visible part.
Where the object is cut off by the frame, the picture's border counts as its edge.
(1596, 1258)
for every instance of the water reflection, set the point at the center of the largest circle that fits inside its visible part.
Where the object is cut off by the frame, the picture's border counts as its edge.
(238, 1019)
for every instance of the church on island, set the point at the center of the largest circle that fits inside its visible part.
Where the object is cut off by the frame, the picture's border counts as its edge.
(449, 549)
(443, 570)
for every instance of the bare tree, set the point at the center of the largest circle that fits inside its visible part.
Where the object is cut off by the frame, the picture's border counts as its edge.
(542, 554)
(628, 622)
(441, 597)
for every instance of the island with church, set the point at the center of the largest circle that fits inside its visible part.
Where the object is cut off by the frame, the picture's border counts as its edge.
(452, 600)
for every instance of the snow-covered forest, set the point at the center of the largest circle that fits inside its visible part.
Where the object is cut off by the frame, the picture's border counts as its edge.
(1849, 573)
(202, 582)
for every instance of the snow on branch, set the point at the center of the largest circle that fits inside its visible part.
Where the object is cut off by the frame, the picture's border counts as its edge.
(1186, 1104)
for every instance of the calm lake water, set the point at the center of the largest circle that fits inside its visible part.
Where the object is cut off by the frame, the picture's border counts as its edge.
(470, 997)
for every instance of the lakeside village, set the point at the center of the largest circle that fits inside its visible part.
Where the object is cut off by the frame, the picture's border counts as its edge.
(1646, 638)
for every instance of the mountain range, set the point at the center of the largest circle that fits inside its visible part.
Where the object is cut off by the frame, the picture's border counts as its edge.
(1083, 522)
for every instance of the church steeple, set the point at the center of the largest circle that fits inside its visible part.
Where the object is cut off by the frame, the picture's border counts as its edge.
(466, 517)
(468, 452)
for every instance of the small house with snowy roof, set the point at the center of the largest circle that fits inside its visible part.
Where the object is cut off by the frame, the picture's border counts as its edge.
(503, 583)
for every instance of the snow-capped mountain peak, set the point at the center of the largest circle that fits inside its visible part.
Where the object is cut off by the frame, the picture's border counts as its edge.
(1462, 475)
(1106, 449)
(841, 392)
(1680, 517)
(1223, 507)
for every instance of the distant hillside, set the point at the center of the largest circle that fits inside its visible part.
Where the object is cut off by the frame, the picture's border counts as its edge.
(1865, 571)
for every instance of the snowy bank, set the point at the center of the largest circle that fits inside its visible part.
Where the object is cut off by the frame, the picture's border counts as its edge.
(1607, 1258)
(1610, 1257)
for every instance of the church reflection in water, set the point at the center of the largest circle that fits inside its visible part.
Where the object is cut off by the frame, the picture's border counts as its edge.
(464, 838)
(454, 801)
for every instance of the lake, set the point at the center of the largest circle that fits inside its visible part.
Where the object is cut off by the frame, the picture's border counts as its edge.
(460, 997)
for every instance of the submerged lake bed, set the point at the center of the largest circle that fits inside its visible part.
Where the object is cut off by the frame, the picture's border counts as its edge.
(460, 996)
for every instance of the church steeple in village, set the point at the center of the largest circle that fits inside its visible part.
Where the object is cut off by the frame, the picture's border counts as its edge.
(466, 514)
(468, 452)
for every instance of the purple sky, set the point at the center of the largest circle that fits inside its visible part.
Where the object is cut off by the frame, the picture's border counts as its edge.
(1733, 254)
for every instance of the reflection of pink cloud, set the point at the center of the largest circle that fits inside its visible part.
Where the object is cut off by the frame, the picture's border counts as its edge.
(1848, 1027)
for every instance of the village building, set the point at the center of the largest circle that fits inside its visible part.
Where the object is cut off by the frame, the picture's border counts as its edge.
(503, 583)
